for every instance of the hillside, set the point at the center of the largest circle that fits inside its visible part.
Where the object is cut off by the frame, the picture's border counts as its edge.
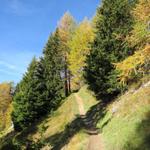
(89, 86)
(5, 107)
(122, 125)
(126, 125)
(50, 131)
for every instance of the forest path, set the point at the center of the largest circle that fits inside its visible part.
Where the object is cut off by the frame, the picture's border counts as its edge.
(95, 142)
(80, 104)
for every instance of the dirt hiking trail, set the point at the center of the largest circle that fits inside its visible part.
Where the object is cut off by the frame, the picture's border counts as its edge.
(95, 141)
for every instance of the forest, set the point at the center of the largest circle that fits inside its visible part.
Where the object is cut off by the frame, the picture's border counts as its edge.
(102, 59)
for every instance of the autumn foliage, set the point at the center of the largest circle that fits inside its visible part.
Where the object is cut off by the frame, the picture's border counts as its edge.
(79, 49)
(5, 105)
(135, 65)
(138, 64)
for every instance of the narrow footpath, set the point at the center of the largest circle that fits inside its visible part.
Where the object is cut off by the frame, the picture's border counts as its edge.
(95, 142)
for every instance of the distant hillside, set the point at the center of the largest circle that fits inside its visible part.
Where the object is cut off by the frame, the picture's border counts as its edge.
(5, 106)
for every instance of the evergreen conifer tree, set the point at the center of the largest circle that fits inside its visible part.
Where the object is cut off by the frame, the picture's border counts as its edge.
(113, 24)
(52, 63)
(41, 89)
(28, 99)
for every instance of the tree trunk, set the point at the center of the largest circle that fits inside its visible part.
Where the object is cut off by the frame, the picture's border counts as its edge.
(66, 78)
(69, 81)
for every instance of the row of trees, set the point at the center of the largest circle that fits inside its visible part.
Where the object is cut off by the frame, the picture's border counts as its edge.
(41, 88)
(96, 52)
(120, 51)
(50, 78)
(113, 23)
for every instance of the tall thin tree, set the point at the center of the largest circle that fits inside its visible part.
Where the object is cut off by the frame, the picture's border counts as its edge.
(66, 28)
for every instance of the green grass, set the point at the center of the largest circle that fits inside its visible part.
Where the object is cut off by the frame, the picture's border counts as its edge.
(60, 118)
(78, 142)
(126, 129)
(63, 117)
(61, 126)
(87, 97)
(129, 127)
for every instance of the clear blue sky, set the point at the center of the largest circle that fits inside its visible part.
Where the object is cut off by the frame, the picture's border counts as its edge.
(25, 26)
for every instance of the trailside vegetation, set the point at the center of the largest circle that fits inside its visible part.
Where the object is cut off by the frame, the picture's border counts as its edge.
(138, 65)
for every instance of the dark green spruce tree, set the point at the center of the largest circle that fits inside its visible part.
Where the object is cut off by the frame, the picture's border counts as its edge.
(52, 63)
(29, 97)
(42, 87)
(114, 22)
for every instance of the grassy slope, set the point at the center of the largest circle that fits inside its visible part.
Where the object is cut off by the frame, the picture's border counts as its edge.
(126, 124)
(80, 140)
(54, 127)
(60, 118)
(129, 127)
(87, 97)
(56, 124)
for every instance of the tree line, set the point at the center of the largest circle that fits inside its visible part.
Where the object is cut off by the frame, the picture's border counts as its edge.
(103, 52)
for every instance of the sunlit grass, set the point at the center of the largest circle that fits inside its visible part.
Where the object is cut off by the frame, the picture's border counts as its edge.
(65, 114)
(59, 119)
(126, 128)
(87, 97)
(78, 142)
(129, 127)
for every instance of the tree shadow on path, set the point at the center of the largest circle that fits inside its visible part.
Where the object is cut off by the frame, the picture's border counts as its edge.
(87, 122)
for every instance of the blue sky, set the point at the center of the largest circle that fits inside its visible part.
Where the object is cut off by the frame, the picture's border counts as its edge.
(25, 26)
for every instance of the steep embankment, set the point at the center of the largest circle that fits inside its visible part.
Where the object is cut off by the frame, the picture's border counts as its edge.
(126, 124)
(61, 130)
